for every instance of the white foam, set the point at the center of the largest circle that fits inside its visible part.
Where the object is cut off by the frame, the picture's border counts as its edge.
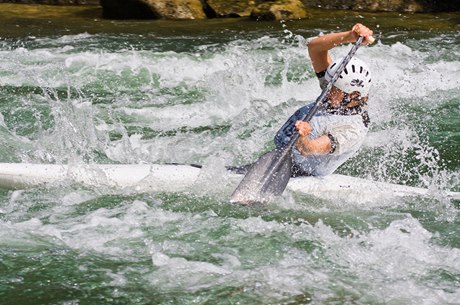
(396, 257)
(398, 260)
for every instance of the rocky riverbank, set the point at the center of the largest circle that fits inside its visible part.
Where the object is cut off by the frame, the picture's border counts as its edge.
(54, 2)
(255, 9)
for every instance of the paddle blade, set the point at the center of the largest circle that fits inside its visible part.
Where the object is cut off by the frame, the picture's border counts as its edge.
(267, 177)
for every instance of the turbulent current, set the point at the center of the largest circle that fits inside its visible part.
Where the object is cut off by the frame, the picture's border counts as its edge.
(216, 97)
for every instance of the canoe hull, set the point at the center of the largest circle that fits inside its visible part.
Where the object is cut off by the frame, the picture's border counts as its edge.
(179, 178)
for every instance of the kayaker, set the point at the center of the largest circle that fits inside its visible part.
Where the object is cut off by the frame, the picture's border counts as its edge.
(337, 131)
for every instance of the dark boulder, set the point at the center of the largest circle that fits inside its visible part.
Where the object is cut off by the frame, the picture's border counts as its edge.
(153, 9)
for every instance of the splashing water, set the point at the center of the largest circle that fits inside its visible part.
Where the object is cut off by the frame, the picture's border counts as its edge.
(130, 98)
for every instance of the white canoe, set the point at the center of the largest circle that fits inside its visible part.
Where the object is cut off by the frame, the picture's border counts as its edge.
(179, 178)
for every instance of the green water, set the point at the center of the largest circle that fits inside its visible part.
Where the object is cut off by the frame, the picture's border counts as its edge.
(79, 89)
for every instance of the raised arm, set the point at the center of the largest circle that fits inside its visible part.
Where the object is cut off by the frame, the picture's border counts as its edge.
(318, 48)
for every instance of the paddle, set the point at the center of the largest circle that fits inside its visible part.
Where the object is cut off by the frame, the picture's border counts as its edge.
(270, 175)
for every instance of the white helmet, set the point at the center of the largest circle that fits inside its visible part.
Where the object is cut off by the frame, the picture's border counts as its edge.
(355, 77)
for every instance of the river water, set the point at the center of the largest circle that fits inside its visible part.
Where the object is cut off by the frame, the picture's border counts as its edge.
(77, 89)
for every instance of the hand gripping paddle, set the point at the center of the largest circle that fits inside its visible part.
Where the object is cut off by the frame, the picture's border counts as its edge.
(269, 175)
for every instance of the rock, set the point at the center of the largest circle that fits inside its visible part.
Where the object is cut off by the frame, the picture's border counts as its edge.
(257, 9)
(153, 9)
(388, 6)
(54, 2)
(229, 8)
(279, 10)
(177, 9)
(127, 9)
(413, 6)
